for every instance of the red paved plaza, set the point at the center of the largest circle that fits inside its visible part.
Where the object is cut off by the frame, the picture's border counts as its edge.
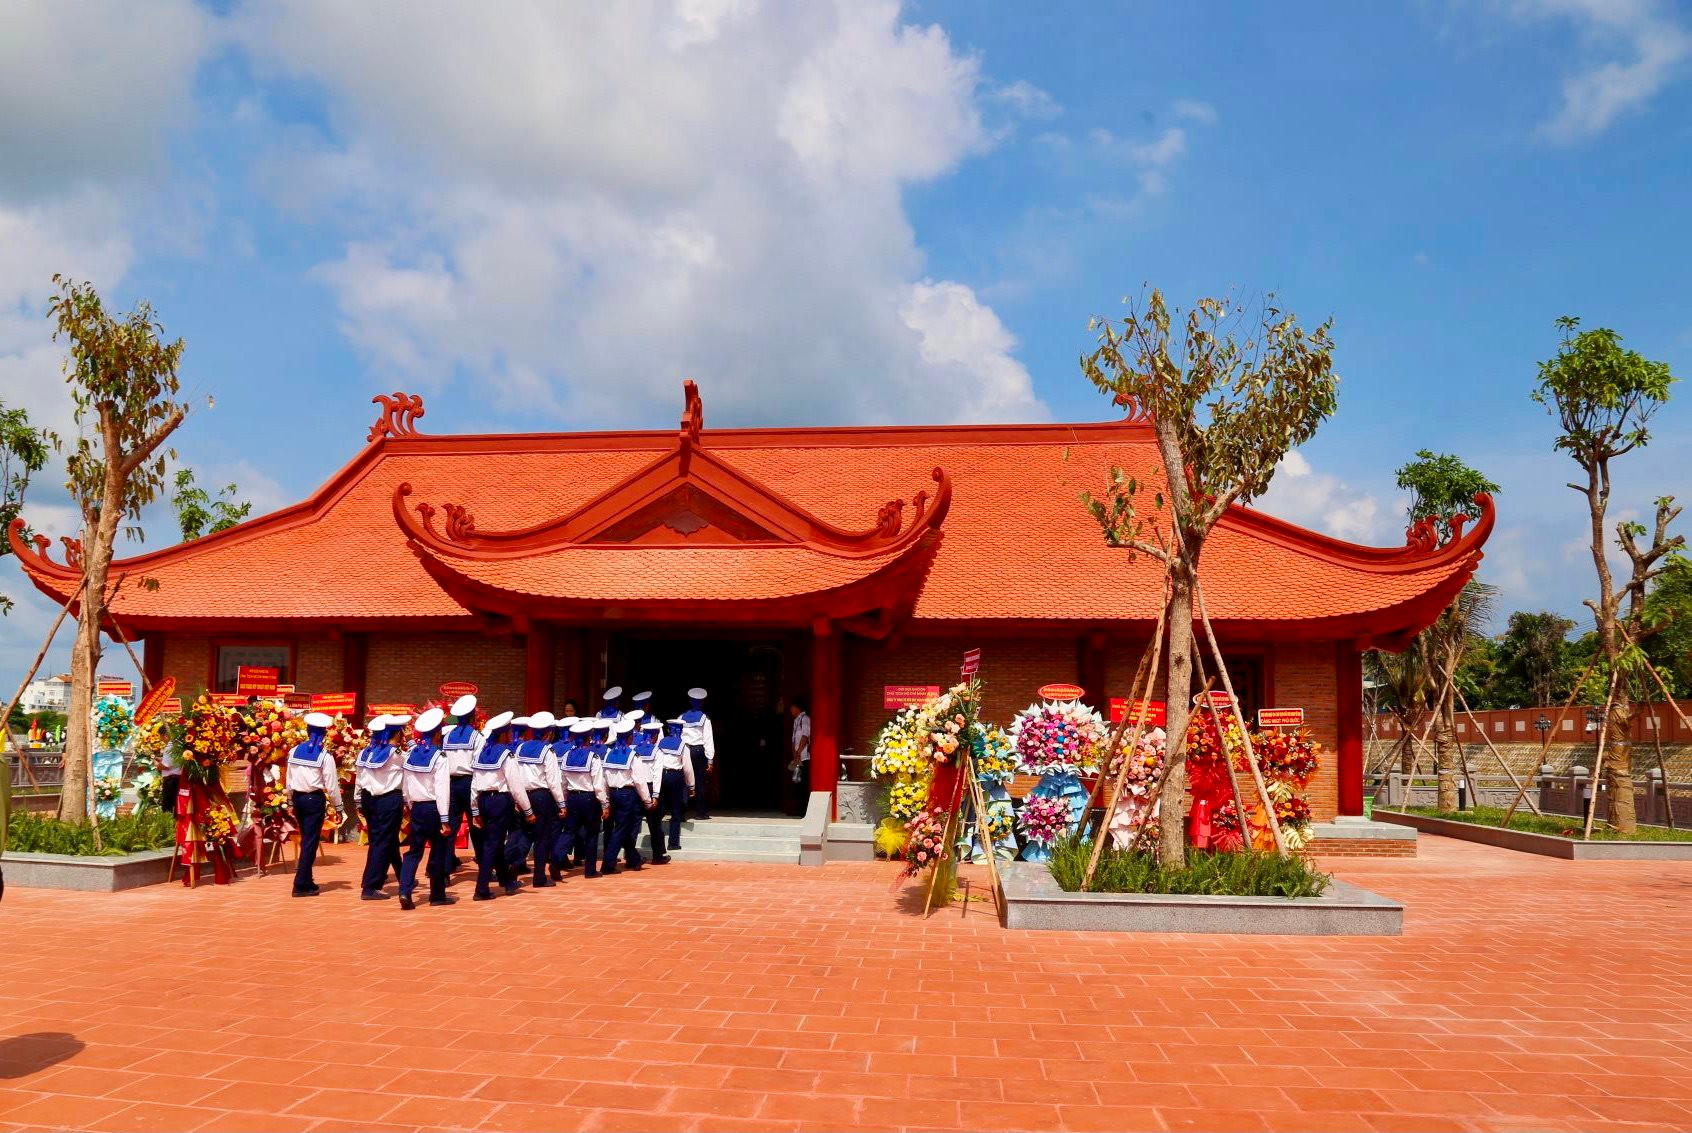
(1525, 993)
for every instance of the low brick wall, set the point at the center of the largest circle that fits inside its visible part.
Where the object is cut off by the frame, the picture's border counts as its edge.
(1354, 848)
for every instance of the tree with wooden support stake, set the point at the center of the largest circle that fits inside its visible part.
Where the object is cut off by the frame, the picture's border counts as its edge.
(1228, 391)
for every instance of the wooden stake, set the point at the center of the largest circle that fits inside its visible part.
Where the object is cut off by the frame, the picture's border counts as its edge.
(1227, 758)
(1545, 742)
(948, 839)
(984, 831)
(1122, 771)
(1139, 676)
(1598, 760)
(1514, 782)
(1245, 735)
(1156, 797)
(1662, 769)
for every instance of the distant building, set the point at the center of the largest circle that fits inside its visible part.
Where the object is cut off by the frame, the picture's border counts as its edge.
(49, 695)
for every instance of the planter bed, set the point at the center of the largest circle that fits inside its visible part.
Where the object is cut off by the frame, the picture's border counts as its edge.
(1033, 899)
(1547, 845)
(87, 874)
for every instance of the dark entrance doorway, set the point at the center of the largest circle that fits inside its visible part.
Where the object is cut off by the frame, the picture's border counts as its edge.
(750, 681)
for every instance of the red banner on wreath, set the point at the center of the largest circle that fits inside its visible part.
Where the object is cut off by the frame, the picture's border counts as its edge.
(1280, 717)
(971, 663)
(256, 680)
(172, 706)
(334, 703)
(1219, 700)
(228, 699)
(284, 690)
(1061, 692)
(907, 696)
(452, 690)
(390, 710)
(1155, 711)
(155, 700)
(297, 701)
(108, 687)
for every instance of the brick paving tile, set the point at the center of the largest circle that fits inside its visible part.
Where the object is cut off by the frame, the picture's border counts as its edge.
(787, 998)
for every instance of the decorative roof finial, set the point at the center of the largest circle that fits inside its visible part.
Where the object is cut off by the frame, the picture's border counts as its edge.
(692, 420)
(400, 412)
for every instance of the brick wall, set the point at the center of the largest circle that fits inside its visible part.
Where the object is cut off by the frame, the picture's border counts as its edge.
(188, 659)
(409, 668)
(1305, 678)
(317, 665)
(1362, 847)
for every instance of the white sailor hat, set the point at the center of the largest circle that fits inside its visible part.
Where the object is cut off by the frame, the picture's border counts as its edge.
(496, 723)
(540, 720)
(429, 719)
(651, 724)
(377, 722)
(564, 721)
(678, 722)
(612, 693)
(519, 721)
(602, 723)
(396, 721)
(634, 714)
(463, 706)
(318, 719)
(583, 726)
(641, 697)
(623, 727)
(696, 693)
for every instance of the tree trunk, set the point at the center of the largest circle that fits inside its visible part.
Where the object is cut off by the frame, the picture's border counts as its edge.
(1406, 747)
(1178, 698)
(1448, 754)
(98, 535)
(1618, 763)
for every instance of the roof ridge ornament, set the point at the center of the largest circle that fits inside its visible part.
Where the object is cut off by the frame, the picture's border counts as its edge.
(400, 412)
(32, 553)
(692, 421)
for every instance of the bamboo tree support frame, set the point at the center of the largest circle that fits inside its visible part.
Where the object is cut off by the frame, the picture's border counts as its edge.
(984, 831)
(1496, 754)
(1657, 732)
(1139, 679)
(1115, 795)
(1598, 760)
(1156, 797)
(948, 838)
(1227, 758)
(1545, 741)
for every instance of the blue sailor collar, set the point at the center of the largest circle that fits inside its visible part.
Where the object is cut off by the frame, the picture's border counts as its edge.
(531, 751)
(578, 759)
(491, 756)
(310, 753)
(422, 757)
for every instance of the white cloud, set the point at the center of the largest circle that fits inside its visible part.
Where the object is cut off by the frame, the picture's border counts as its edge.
(1323, 502)
(646, 193)
(1026, 100)
(1634, 48)
(1195, 111)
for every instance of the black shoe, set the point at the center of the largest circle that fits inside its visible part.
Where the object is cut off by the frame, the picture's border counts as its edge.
(675, 843)
(373, 895)
(542, 883)
(452, 866)
(406, 902)
(591, 873)
(636, 867)
(556, 872)
(483, 897)
(609, 870)
(305, 892)
(513, 890)
(661, 859)
(443, 900)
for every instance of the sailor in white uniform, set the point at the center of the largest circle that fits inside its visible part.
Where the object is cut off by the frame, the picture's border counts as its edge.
(428, 792)
(536, 770)
(461, 741)
(495, 805)
(314, 784)
(586, 803)
(628, 798)
(611, 707)
(380, 799)
(647, 771)
(677, 783)
(701, 750)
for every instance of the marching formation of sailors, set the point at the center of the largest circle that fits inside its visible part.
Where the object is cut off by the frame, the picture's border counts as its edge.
(569, 792)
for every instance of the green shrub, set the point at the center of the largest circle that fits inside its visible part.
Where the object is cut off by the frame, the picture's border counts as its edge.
(148, 829)
(1207, 873)
(1557, 825)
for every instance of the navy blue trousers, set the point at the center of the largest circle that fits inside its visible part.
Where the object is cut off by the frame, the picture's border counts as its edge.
(545, 809)
(426, 831)
(655, 825)
(625, 829)
(309, 809)
(581, 831)
(498, 810)
(382, 814)
(701, 781)
(672, 800)
(459, 811)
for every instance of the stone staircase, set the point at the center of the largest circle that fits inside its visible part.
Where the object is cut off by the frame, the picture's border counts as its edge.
(738, 838)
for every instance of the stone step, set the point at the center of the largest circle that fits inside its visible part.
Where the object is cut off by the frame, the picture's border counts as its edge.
(770, 845)
(789, 857)
(741, 828)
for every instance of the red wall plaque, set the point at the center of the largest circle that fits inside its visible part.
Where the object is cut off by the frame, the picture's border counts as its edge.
(1280, 717)
(256, 680)
(1155, 711)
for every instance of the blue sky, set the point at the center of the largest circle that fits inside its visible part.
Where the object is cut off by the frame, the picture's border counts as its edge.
(863, 213)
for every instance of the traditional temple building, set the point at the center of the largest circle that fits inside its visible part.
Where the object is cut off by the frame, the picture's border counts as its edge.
(825, 563)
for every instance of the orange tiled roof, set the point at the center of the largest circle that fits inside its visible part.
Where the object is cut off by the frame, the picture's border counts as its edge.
(1016, 544)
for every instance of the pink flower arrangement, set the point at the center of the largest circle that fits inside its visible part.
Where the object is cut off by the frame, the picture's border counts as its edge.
(1043, 819)
(1058, 737)
(927, 843)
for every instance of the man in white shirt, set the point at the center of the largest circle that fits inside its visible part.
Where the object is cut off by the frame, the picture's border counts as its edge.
(676, 782)
(379, 798)
(427, 784)
(629, 797)
(536, 770)
(701, 751)
(314, 785)
(496, 798)
(586, 803)
(799, 766)
(461, 741)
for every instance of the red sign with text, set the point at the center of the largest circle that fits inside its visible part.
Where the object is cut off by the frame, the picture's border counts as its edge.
(1280, 717)
(452, 690)
(334, 703)
(172, 706)
(228, 699)
(1219, 700)
(391, 710)
(155, 700)
(907, 696)
(1061, 692)
(972, 663)
(1155, 711)
(107, 687)
(256, 680)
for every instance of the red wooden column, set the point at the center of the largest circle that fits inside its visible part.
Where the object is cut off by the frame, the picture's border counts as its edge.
(538, 665)
(354, 651)
(1348, 667)
(1090, 668)
(825, 706)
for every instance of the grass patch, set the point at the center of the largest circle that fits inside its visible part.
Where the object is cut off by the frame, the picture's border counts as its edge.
(149, 829)
(1558, 825)
(1206, 873)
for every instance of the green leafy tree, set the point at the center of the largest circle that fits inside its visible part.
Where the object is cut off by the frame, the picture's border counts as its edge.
(1668, 614)
(1603, 397)
(122, 376)
(200, 513)
(23, 452)
(1230, 391)
(1533, 657)
(1443, 489)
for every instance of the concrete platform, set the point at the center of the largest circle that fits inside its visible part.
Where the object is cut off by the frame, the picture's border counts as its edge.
(1034, 900)
(1546, 845)
(86, 874)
